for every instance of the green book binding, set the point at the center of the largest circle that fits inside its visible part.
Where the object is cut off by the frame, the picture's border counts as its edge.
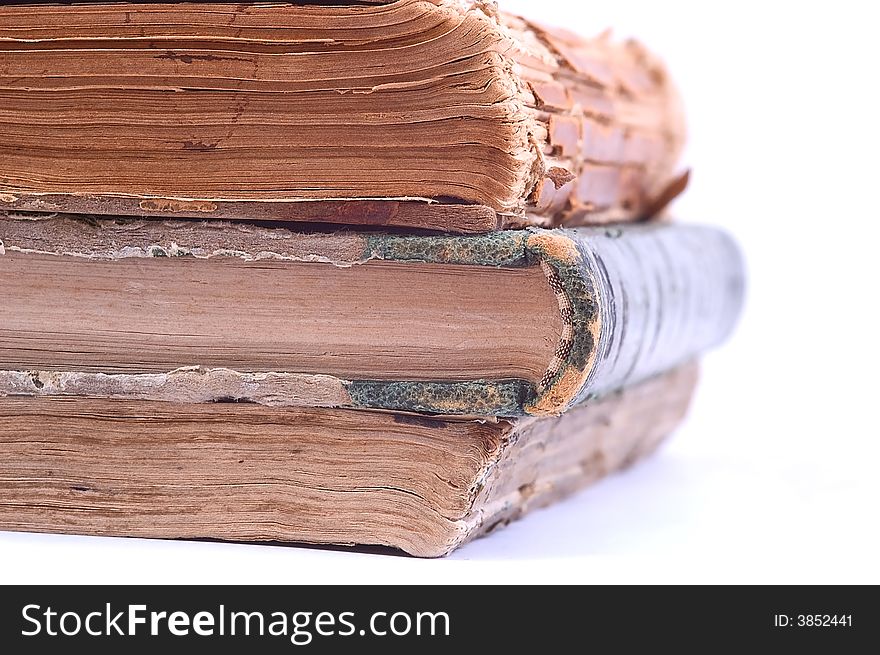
(635, 301)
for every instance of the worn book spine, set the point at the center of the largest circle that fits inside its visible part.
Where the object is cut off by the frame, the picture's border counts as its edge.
(588, 130)
(246, 473)
(543, 460)
(634, 301)
(610, 123)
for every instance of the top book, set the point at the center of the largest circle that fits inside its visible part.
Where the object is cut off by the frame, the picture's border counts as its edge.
(283, 111)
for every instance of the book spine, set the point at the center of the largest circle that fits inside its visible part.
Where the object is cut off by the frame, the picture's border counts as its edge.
(544, 460)
(666, 296)
(610, 122)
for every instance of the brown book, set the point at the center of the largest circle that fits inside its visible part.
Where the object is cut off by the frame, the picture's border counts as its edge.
(243, 472)
(512, 323)
(282, 111)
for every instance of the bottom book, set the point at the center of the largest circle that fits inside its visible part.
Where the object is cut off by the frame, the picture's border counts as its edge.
(243, 472)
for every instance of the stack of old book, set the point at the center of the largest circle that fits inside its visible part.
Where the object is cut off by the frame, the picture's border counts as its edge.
(340, 273)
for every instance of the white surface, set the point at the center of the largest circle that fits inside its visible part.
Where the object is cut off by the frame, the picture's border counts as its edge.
(774, 477)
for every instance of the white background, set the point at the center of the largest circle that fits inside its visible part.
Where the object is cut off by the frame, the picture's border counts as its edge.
(774, 476)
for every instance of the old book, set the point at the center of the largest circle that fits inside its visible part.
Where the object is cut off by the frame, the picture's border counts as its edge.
(243, 472)
(274, 111)
(512, 323)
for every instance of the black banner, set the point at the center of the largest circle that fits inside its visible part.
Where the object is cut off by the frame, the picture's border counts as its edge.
(429, 619)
